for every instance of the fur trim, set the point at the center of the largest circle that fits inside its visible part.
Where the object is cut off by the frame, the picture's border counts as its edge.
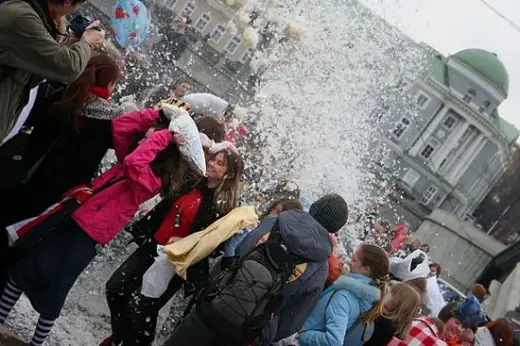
(101, 109)
(359, 288)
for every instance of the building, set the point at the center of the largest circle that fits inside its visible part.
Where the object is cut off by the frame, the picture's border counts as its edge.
(498, 212)
(451, 147)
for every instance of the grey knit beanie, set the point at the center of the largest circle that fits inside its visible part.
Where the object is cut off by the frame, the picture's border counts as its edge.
(331, 211)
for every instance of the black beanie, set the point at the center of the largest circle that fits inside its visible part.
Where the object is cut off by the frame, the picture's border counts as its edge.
(331, 211)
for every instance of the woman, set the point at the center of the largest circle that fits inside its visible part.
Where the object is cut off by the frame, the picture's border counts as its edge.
(397, 314)
(70, 137)
(31, 53)
(496, 333)
(48, 271)
(354, 298)
(134, 316)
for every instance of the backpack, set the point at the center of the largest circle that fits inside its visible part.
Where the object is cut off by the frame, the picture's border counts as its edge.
(241, 300)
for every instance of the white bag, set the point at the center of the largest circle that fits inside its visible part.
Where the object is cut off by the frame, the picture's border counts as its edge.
(158, 276)
(288, 341)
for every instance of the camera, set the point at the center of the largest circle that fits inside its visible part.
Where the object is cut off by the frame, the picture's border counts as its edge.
(78, 23)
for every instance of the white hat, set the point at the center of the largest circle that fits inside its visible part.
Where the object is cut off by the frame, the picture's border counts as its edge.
(413, 266)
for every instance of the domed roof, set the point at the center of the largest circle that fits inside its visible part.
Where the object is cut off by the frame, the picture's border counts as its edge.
(487, 65)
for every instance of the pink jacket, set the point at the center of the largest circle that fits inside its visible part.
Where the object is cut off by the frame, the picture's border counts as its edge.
(400, 238)
(105, 214)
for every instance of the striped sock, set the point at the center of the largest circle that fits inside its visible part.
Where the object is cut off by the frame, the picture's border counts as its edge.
(9, 298)
(43, 329)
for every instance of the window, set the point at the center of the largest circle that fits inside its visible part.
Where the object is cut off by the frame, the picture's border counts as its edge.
(466, 98)
(422, 101)
(248, 55)
(428, 195)
(217, 34)
(203, 21)
(188, 10)
(411, 177)
(233, 45)
(468, 133)
(401, 127)
(484, 107)
(170, 4)
(450, 122)
(469, 95)
(429, 149)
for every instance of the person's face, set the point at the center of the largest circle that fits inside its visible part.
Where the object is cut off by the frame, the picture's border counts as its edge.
(425, 248)
(60, 10)
(452, 328)
(466, 335)
(356, 266)
(216, 167)
(278, 209)
(181, 90)
(433, 271)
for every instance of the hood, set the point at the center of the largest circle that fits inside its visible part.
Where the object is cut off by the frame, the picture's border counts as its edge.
(304, 236)
(359, 286)
(101, 109)
(483, 337)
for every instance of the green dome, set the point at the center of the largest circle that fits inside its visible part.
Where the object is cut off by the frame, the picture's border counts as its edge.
(487, 65)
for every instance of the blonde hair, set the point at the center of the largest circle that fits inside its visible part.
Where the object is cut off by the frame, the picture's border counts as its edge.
(402, 308)
(226, 194)
(420, 284)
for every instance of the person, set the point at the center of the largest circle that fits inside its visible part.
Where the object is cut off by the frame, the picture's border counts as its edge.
(305, 236)
(30, 53)
(424, 332)
(353, 299)
(176, 91)
(399, 240)
(452, 323)
(425, 248)
(435, 270)
(495, 333)
(133, 315)
(397, 315)
(70, 137)
(336, 264)
(155, 165)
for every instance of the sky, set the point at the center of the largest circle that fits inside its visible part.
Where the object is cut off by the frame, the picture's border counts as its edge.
(453, 25)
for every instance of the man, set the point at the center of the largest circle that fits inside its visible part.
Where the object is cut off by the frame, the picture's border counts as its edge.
(453, 326)
(30, 53)
(177, 90)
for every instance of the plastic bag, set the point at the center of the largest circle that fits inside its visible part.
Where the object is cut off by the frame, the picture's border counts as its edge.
(182, 123)
(130, 23)
(158, 276)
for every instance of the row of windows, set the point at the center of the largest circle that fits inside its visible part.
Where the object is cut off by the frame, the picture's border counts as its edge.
(217, 34)
(470, 95)
(449, 124)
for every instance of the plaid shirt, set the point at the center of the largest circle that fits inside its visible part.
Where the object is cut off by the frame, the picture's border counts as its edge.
(423, 333)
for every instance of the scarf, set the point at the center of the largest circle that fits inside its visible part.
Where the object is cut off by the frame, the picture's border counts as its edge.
(100, 92)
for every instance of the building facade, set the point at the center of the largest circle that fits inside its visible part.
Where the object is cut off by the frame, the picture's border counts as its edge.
(449, 149)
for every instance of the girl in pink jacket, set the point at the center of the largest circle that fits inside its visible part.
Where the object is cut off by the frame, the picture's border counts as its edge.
(47, 272)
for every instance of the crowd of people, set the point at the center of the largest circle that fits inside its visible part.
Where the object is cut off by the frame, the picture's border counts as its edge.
(282, 278)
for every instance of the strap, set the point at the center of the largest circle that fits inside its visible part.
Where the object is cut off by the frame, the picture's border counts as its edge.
(37, 164)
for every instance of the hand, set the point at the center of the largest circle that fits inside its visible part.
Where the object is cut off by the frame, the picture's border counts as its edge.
(93, 36)
(173, 240)
(206, 142)
(179, 139)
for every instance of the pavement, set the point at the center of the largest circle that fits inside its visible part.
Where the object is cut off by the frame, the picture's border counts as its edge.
(8, 339)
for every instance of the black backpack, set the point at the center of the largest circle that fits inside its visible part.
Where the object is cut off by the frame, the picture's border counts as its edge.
(243, 298)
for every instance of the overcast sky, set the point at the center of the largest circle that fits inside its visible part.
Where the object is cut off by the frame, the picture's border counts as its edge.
(453, 25)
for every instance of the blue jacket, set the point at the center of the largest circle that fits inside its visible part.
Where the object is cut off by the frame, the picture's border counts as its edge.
(338, 309)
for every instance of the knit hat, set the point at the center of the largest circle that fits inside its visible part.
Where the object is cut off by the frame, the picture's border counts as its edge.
(331, 211)
(470, 313)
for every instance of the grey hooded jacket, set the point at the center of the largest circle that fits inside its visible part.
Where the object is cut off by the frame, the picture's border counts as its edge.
(305, 237)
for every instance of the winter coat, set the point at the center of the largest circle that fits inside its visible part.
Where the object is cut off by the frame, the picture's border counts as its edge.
(29, 54)
(133, 181)
(301, 295)
(72, 158)
(338, 309)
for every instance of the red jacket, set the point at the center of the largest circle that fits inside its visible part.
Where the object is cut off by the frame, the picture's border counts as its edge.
(180, 219)
(105, 214)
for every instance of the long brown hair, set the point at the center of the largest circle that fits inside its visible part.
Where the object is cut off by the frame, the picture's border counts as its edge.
(377, 260)
(402, 308)
(501, 331)
(170, 166)
(284, 204)
(101, 71)
(226, 194)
